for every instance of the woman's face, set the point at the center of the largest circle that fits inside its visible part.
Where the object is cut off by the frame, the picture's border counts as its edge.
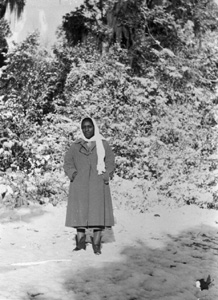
(88, 129)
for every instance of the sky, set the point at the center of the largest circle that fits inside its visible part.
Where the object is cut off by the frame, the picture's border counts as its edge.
(42, 15)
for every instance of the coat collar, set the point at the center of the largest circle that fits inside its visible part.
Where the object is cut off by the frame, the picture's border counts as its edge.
(84, 147)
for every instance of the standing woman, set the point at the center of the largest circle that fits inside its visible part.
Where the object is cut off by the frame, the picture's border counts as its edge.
(89, 164)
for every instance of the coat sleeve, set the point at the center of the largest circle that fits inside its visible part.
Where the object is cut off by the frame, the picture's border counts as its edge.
(109, 162)
(69, 165)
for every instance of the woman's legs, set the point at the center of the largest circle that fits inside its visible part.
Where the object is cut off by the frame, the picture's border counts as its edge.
(96, 240)
(80, 239)
(80, 233)
(97, 235)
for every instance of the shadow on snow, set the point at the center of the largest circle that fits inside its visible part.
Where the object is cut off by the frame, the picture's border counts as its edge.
(166, 273)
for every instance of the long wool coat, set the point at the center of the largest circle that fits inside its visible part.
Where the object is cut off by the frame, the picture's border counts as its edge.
(89, 200)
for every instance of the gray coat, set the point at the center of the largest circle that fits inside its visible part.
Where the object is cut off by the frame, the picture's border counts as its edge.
(89, 201)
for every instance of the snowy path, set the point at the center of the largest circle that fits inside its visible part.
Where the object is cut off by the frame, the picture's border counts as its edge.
(156, 255)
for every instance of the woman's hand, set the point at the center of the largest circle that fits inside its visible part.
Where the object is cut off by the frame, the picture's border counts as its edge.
(73, 176)
(105, 177)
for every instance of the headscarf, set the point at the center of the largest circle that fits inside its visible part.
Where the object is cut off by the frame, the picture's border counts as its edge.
(99, 145)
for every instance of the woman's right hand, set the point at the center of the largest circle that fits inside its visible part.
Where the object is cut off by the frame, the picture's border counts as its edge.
(73, 176)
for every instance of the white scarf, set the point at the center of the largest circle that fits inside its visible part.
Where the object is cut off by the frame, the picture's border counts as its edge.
(99, 145)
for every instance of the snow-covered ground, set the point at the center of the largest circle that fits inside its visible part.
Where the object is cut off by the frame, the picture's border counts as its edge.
(154, 255)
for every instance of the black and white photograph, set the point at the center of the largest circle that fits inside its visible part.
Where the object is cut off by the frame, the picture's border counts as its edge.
(108, 149)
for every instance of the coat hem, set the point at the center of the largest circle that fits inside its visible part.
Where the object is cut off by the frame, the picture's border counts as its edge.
(90, 227)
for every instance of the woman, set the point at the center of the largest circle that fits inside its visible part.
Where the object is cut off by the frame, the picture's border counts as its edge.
(89, 164)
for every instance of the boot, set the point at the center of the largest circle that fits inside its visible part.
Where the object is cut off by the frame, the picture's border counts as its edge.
(96, 247)
(80, 244)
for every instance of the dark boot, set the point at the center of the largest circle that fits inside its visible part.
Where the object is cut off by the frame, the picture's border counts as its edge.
(80, 244)
(96, 246)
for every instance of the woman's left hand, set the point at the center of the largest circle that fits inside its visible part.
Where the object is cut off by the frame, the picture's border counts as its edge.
(105, 177)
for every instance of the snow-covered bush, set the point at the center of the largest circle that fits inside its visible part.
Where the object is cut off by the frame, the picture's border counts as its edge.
(157, 109)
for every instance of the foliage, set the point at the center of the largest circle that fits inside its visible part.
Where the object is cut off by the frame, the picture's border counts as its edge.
(156, 135)
(153, 95)
(86, 21)
(3, 6)
(142, 27)
(16, 5)
(4, 30)
(4, 34)
(26, 83)
(29, 83)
